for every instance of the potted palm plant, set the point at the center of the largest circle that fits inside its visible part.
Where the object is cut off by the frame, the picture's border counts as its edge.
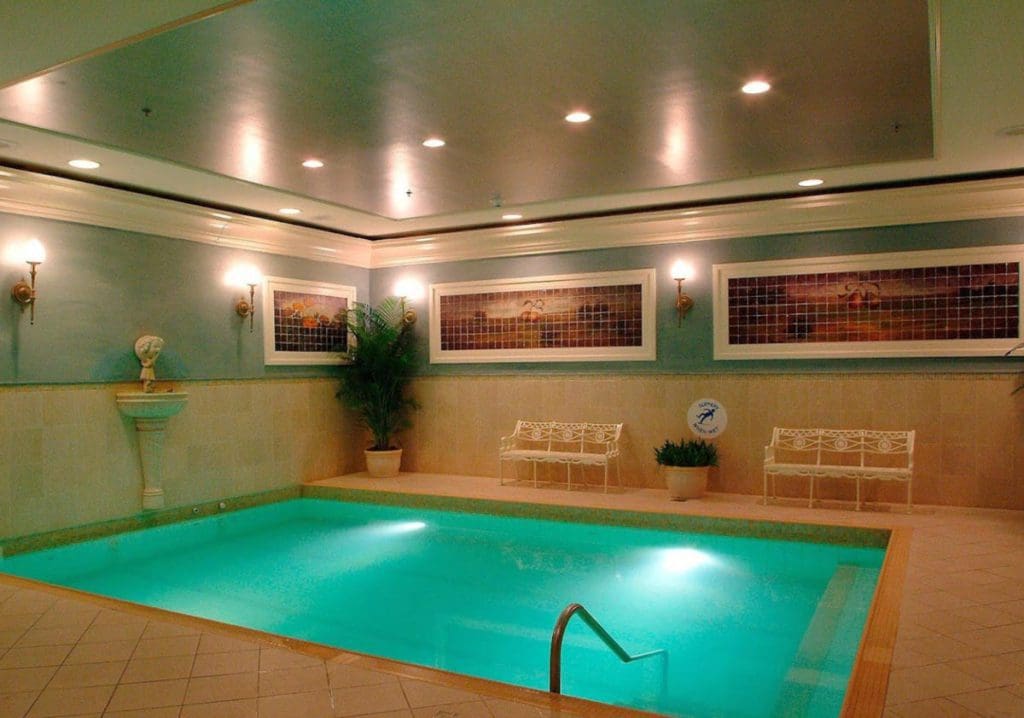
(685, 467)
(382, 358)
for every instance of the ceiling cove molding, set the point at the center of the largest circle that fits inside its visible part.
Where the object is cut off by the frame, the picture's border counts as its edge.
(39, 195)
(944, 202)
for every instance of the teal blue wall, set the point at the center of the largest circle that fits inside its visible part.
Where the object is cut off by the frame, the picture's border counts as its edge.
(690, 348)
(100, 289)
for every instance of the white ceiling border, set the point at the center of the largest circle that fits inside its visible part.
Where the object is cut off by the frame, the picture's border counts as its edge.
(942, 202)
(40, 195)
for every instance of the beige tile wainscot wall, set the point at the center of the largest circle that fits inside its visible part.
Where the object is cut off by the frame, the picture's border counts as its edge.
(970, 429)
(69, 457)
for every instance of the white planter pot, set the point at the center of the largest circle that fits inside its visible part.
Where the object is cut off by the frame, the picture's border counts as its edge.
(685, 482)
(383, 464)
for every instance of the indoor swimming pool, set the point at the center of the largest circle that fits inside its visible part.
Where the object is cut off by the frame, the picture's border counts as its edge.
(749, 626)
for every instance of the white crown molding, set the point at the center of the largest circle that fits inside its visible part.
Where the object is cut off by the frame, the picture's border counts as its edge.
(981, 199)
(39, 195)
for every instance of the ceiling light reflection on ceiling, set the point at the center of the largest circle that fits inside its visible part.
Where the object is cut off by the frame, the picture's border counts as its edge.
(313, 164)
(756, 87)
(577, 117)
(84, 164)
(289, 210)
(811, 182)
(511, 216)
(433, 142)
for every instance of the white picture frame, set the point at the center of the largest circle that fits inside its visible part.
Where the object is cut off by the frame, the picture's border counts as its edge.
(291, 307)
(596, 316)
(920, 300)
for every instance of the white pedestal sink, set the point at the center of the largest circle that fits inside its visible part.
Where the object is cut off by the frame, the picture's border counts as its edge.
(151, 412)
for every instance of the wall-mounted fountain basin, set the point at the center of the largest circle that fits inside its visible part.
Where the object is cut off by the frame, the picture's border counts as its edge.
(150, 412)
(151, 405)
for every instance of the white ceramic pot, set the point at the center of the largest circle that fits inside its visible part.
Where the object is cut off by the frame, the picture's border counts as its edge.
(383, 464)
(685, 482)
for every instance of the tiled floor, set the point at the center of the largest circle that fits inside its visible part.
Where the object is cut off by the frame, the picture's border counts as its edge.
(959, 652)
(65, 656)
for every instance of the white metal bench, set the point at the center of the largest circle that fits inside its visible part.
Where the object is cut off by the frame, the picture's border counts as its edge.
(556, 442)
(840, 454)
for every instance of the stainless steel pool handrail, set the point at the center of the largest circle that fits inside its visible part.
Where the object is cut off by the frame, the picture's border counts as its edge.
(555, 668)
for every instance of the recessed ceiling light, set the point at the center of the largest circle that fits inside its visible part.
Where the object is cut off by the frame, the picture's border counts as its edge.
(220, 215)
(512, 215)
(811, 182)
(756, 87)
(83, 164)
(289, 210)
(433, 142)
(578, 117)
(313, 164)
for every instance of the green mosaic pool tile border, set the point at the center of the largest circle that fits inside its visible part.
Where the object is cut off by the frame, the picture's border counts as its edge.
(838, 535)
(137, 522)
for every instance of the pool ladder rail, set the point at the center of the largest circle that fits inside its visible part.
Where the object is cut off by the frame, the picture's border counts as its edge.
(555, 671)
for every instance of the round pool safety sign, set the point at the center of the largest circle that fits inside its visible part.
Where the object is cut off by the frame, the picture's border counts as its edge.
(707, 418)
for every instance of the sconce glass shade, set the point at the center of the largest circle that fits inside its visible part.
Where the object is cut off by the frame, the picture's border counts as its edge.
(249, 275)
(34, 252)
(409, 289)
(681, 270)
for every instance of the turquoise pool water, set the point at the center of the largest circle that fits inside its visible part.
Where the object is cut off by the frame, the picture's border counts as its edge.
(752, 627)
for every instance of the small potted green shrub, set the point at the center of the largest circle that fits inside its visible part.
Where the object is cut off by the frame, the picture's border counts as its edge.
(685, 466)
(381, 362)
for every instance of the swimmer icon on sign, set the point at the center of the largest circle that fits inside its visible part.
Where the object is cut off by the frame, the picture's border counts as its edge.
(707, 418)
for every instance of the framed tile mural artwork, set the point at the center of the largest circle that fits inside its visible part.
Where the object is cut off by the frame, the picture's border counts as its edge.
(305, 322)
(956, 302)
(603, 316)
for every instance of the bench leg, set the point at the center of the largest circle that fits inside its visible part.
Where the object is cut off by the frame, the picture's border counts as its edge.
(534, 473)
(858, 493)
(765, 498)
(810, 496)
(910, 508)
(606, 477)
(568, 476)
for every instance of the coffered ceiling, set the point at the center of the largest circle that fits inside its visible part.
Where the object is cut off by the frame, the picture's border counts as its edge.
(220, 104)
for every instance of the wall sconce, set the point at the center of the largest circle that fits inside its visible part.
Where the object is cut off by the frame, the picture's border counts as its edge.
(680, 271)
(250, 277)
(408, 290)
(23, 292)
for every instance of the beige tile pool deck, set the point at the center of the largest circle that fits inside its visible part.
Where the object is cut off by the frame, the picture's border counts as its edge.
(959, 649)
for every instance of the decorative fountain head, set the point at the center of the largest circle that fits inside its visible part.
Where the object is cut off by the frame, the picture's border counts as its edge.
(150, 411)
(147, 349)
